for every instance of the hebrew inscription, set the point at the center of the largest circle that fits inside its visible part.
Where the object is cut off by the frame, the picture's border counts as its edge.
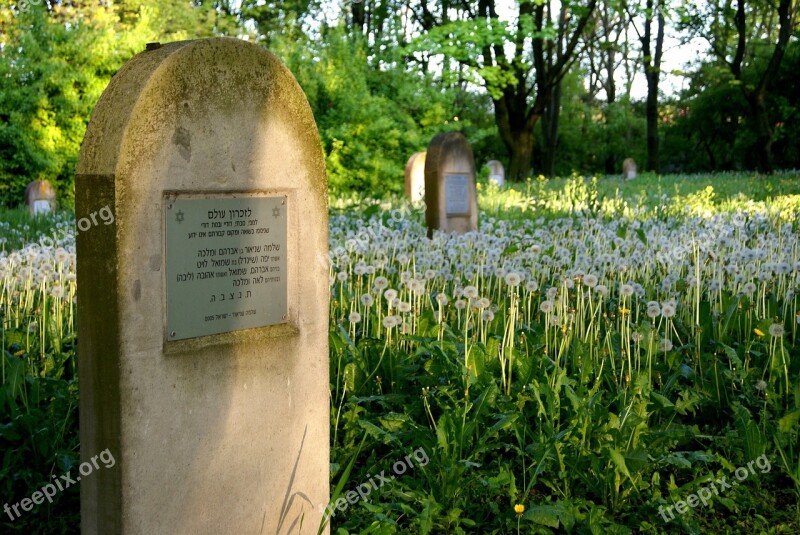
(225, 263)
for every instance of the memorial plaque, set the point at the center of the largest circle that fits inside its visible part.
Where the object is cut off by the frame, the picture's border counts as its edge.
(456, 194)
(225, 263)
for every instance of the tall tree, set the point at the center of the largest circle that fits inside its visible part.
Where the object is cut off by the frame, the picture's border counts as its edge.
(737, 37)
(498, 55)
(652, 52)
(607, 50)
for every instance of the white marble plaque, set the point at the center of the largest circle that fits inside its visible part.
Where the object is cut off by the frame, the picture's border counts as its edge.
(225, 263)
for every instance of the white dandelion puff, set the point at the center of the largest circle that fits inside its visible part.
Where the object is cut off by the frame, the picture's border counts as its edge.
(776, 330)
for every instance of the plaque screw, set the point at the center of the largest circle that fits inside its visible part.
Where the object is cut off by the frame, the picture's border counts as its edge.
(169, 206)
(284, 317)
(283, 202)
(172, 334)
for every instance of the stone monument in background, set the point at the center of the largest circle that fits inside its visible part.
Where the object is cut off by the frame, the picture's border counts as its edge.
(629, 169)
(450, 195)
(40, 197)
(415, 177)
(497, 174)
(203, 310)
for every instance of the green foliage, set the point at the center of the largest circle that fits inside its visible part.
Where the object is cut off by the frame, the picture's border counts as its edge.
(45, 100)
(38, 372)
(56, 62)
(372, 120)
(589, 427)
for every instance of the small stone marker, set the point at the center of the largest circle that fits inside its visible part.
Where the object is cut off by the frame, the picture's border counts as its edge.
(629, 169)
(450, 195)
(203, 309)
(415, 177)
(40, 197)
(497, 174)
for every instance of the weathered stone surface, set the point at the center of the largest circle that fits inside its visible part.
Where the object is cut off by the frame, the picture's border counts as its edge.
(215, 434)
(450, 195)
(40, 197)
(415, 177)
(497, 173)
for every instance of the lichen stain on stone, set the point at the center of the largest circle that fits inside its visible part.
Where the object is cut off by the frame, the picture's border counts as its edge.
(155, 263)
(183, 139)
(137, 290)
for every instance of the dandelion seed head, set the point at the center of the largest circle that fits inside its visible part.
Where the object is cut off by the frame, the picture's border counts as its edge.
(513, 279)
(381, 283)
(390, 295)
(776, 330)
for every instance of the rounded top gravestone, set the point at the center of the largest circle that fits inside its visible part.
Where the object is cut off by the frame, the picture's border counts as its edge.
(204, 308)
(451, 197)
(497, 173)
(40, 197)
(629, 169)
(415, 177)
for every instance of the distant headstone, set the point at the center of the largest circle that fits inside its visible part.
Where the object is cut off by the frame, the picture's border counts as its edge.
(40, 197)
(629, 169)
(204, 307)
(497, 174)
(450, 195)
(415, 177)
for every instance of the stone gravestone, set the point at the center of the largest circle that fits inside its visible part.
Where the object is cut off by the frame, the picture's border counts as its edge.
(497, 174)
(629, 169)
(203, 310)
(40, 197)
(450, 195)
(415, 177)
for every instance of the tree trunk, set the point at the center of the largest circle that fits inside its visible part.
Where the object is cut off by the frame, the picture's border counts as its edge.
(520, 154)
(550, 119)
(652, 72)
(359, 16)
(651, 112)
(758, 111)
(515, 122)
